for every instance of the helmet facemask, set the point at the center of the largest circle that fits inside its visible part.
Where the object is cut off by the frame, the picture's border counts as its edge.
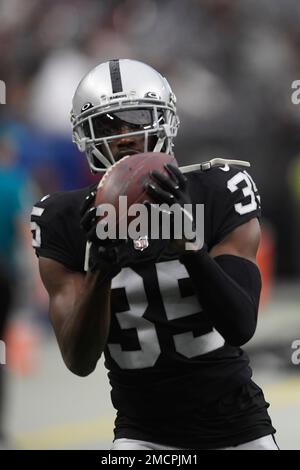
(96, 127)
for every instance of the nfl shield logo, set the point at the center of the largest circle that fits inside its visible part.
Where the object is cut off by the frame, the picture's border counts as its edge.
(141, 243)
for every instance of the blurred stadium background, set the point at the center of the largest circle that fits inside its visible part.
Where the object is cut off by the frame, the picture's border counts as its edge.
(231, 64)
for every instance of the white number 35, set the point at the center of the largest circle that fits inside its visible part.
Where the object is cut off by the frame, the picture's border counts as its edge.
(249, 191)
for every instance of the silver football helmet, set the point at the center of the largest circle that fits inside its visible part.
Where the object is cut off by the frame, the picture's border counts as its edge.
(122, 94)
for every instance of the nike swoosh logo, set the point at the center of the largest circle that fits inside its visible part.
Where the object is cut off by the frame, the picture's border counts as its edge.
(225, 167)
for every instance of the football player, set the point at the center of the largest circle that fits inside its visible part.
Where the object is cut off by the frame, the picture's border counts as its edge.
(169, 321)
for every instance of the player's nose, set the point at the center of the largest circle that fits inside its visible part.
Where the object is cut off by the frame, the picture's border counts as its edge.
(128, 144)
(126, 136)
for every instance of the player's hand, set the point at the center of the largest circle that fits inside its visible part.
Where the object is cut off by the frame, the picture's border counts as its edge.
(108, 254)
(170, 190)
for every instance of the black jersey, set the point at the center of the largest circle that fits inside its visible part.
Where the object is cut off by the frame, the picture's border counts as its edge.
(165, 359)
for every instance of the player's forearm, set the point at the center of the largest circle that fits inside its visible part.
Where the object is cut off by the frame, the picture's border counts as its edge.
(228, 288)
(84, 333)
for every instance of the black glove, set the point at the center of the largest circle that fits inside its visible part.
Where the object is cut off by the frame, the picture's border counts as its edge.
(107, 254)
(173, 189)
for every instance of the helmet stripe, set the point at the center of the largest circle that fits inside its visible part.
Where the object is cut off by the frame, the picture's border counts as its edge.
(115, 75)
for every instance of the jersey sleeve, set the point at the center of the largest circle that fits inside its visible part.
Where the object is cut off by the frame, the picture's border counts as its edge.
(53, 231)
(235, 201)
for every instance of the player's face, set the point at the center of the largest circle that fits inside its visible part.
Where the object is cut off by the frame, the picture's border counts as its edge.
(125, 123)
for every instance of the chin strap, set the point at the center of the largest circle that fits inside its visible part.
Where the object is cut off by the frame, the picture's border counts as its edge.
(211, 163)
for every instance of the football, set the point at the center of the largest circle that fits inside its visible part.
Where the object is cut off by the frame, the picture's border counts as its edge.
(128, 177)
